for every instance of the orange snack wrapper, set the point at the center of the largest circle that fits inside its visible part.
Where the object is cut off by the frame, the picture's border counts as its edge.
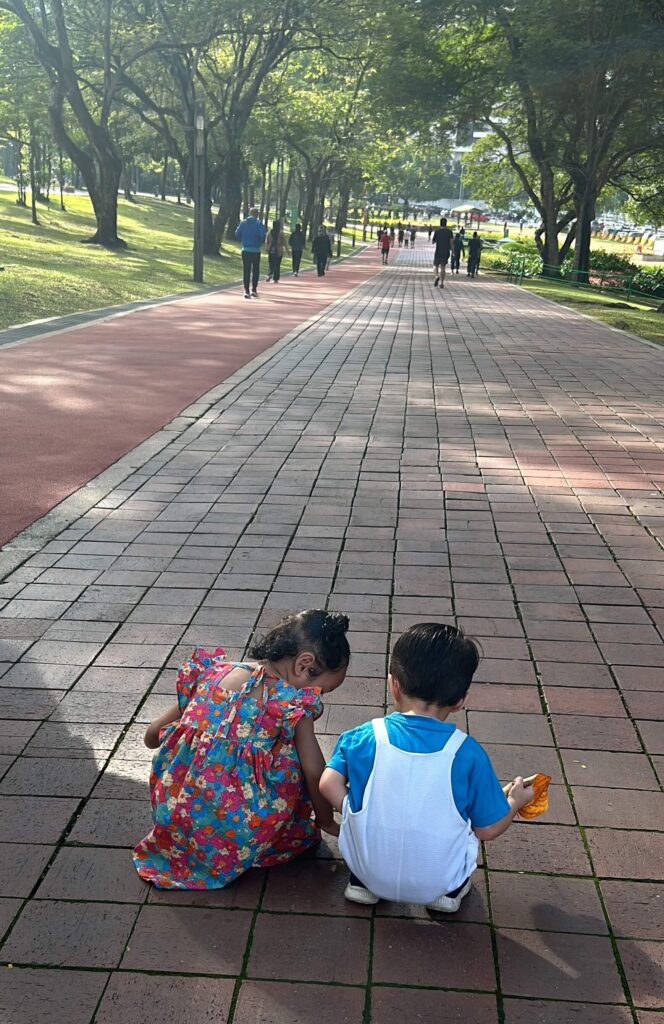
(540, 802)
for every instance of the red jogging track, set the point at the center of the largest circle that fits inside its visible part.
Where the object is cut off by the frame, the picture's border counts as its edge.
(74, 403)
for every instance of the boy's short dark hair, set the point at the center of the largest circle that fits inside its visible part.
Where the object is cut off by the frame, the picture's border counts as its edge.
(434, 663)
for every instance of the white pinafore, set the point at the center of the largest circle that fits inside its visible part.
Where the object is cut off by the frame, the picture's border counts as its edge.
(408, 841)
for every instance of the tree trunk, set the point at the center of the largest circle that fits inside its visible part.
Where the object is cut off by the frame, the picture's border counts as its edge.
(61, 179)
(33, 181)
(549, 212)
(104, 197)
(20, 176)
(288, 184)
(164, 179)
(126, 183)
(342, 212)
(230, 204)
(246, 192)
(585, 214)
(268, 194)
(261, 211)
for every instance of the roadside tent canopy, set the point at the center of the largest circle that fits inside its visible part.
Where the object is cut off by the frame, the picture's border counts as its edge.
(467, 208)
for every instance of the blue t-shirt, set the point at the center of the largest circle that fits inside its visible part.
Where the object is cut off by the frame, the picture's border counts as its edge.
(477, 793)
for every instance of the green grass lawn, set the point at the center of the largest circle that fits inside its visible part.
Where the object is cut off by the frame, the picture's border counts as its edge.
(48, 272)
(635, 317)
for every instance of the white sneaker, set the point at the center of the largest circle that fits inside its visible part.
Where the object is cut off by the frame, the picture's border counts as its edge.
(358, 894)
(450, 904)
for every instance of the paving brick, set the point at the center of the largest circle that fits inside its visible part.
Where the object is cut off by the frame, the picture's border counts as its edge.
(652, 734)
(394, 1005)
(635, 909)
(34, 819)
(28, 703)
(21, 865)
(490, 727)
(15, 734)
(587, 733)
(112, 823)
(62, 934)
(644, 966)
(310, 887)
(412, 952)
(546, 903)
(608, 769)
(558, 965)
(270, 1002)
(93, 874)
(50, 776)
(29, 996)
(244, 893)
(9, 908)
(172, 1000)
(618, 808)
(282, 945)
(215, 940)
(623, 854)
(555, 849)
(527, 1011)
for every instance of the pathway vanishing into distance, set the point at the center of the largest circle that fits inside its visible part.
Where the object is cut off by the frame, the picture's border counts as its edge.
(413, 454)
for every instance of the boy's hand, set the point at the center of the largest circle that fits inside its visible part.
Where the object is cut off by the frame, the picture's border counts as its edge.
(518, 793)
(331, 827)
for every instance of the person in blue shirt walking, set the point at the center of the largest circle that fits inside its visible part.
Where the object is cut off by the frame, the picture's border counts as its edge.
(251, 234)
(416, 794)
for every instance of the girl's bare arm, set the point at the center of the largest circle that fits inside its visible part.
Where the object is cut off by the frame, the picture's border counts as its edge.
(151, 738)
(313, 765)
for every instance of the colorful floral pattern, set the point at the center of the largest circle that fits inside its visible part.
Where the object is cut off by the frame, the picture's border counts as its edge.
(226, 783)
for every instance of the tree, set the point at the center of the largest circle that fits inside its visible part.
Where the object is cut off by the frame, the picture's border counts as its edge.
(571, 91)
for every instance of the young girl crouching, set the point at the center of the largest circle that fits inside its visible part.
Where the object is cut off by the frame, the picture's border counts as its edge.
(238, 765)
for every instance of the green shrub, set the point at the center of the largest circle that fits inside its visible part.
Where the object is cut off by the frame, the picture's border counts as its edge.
(600, 259)
(648, 282)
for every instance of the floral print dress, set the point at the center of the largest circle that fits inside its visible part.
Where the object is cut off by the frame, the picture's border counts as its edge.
(226, 784)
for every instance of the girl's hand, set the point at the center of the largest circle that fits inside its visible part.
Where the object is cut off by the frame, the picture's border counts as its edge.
(331, 827)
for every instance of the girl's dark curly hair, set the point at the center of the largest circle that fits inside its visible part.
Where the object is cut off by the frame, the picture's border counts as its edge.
(322, 633)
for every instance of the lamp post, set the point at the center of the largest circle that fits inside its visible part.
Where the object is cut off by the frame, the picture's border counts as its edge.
(199, 190)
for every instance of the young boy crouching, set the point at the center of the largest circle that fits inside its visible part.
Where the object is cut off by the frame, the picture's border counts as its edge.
(417, 794)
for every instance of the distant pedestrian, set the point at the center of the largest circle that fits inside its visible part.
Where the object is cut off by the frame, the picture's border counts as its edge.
(401, 234)
(474, 253)
(413, 235)
(406, 240)
(379, 235)
(457, 252)
(429, 230)
(442, 239)
(322, 250)
(276, 246)
(385, 243)
(392, 235)
(297, 243)
(251, 235)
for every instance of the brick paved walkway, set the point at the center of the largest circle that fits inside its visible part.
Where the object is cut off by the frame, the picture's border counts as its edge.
(477, 453)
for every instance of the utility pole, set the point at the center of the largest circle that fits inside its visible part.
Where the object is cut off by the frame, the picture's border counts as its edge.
(199, 190)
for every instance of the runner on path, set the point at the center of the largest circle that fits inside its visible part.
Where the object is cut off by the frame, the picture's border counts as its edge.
(442, 239)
